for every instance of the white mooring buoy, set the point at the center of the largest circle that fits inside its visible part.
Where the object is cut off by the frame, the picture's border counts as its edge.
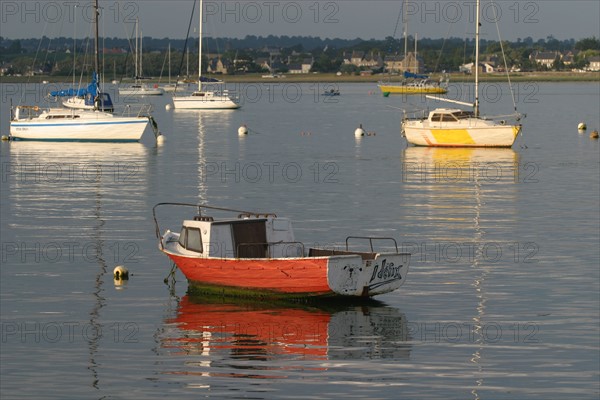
(168, 107)
(582, 126)
(242, 130)
(359, 132)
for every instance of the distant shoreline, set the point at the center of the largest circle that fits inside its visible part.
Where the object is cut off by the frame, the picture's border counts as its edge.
(333, 78)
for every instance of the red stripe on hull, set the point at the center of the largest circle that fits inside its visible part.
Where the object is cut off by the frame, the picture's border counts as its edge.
(284, 276)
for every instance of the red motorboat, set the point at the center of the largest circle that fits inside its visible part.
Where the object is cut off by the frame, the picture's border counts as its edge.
(251, 253)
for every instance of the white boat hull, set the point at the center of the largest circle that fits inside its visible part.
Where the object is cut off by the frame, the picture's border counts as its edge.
(89, 127)
(208, 103)
(141, 92)
(472, 133)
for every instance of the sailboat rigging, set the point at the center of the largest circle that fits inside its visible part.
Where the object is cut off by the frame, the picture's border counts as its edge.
(451, 127)
(204, 99)
(86, 98)
(139, 88)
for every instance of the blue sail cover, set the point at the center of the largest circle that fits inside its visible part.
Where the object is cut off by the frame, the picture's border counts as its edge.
(414, 76)
(92, 89)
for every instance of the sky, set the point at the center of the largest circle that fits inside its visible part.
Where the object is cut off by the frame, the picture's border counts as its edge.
(348, 19)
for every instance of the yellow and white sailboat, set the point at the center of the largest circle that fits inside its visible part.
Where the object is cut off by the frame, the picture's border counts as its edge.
(448, 127)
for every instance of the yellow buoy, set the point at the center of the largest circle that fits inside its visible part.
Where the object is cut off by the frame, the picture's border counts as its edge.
(594, 134)
(582, 126)
(120, 273)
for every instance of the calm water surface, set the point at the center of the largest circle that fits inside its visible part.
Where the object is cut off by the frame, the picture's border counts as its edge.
(502, 299)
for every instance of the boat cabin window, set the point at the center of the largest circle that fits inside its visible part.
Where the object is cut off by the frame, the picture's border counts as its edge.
(442, 117)
(62, 116)
(463, 114)
(199, 94)
(190, 239)
(448, 118)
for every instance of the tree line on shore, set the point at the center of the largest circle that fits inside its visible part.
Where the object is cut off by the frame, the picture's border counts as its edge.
(63, 57)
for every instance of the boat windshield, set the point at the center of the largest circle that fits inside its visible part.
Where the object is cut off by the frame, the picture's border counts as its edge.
(463, 114)
(182, 236)
(190, 239)
(443, 117)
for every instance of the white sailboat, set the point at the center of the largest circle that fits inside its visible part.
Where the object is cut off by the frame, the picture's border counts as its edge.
(30, 122)
(205, 99)
(451, 127)
(169, 87)
(139, 88)
(88, 98)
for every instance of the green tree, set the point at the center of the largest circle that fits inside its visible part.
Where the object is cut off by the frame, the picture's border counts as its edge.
(15, 47)
(588, 44)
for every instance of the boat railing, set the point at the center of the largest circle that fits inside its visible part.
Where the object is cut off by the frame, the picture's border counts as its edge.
(502, 118)
(371, 239)
(145, 110)
(414, 114)
(246, 215)
(26, 112)
(200, 207)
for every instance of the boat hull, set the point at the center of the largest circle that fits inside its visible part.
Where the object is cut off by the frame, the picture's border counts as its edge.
(346, 275)
(476, 135)
(83, 130)
(408, 89)
(194, 103)
(141, 92)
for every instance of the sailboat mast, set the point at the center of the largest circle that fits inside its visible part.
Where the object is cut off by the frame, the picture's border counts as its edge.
(416, 62)
(405, 20)
(200, 49)
(96, 42)
(136, 61)
(141, 54)
(476, 106)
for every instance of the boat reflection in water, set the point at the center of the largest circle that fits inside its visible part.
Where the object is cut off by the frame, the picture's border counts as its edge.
(466, 198)
(218, 334)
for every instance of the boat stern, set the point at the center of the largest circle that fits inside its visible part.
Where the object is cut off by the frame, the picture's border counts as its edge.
(356, 276)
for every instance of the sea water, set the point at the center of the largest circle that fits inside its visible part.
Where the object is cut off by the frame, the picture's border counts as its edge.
(501, 301)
